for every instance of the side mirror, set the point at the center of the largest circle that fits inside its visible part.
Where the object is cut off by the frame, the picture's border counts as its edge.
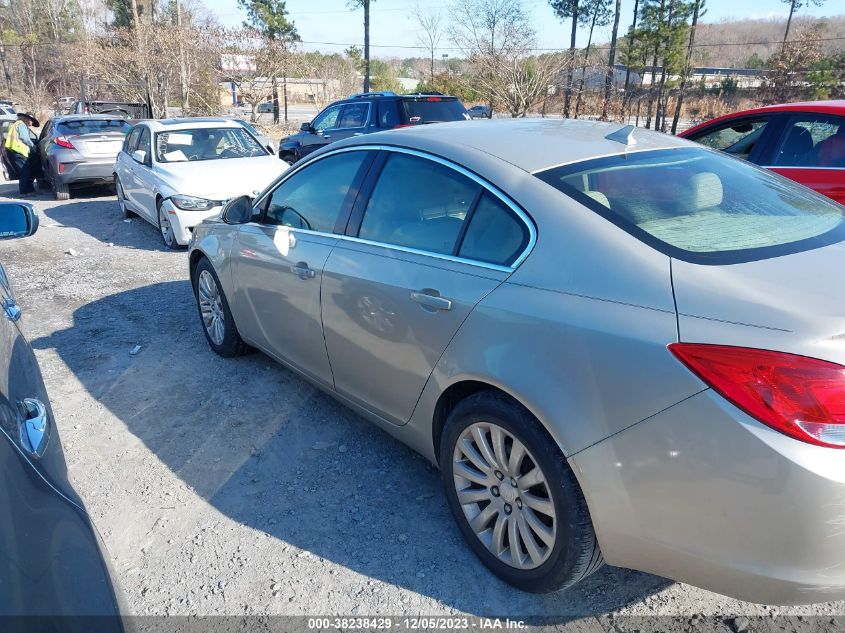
(17, 219)
(306, 127)
(139, 156)
(238, 210)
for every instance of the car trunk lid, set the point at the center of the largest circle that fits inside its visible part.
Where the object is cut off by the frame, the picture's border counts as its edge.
(97, 145)
(793, 303)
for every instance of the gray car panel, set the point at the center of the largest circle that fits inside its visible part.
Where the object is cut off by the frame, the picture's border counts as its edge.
(704, 494)
(372, 319)
(276, 300)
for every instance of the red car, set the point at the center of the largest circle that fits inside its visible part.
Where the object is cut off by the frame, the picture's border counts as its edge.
(802, 141)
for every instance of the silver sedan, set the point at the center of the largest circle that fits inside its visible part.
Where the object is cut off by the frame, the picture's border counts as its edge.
(616, 345)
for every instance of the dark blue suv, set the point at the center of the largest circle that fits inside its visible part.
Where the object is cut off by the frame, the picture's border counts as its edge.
(366, 113)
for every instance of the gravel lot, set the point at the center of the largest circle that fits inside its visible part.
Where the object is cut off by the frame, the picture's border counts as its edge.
(234, 487)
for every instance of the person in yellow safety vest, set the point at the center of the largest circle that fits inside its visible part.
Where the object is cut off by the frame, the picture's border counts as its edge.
(20, 148)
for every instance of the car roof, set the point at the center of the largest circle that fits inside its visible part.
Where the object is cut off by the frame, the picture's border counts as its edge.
(833, 106)
(189, 123)
(530, 144)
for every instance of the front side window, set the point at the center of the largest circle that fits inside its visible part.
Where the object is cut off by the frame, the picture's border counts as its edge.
(314, 197)
(702, 206)
(326, 119)
(206, 144)
(144, 143)
(737, 138)
(354, 115)
(418, 203)
(131, 141)
(812, 141)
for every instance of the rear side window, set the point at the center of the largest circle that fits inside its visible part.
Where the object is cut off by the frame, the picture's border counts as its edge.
(93, 126)
(701, 206)
(314, 197)
(494, 235)
(418, 203)
(738, 138)
(432, 110)
(812, 141)
(388, 113)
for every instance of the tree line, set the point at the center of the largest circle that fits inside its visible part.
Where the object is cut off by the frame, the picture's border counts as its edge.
(172, 53)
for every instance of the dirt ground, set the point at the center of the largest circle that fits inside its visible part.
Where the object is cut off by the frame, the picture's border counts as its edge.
(233, 486)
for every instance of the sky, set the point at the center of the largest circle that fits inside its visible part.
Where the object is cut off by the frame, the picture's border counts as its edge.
(393, 30)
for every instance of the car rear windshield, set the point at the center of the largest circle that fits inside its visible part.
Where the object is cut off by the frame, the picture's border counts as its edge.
(92, 126)
(702, 206)
(432, 110)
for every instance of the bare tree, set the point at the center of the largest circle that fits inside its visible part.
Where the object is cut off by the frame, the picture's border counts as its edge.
(431, 32)
(697, 11)
(611, 62)
(795, 5)
(491, 33)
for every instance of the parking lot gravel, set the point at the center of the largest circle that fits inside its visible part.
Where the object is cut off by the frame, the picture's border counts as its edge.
(235, 487)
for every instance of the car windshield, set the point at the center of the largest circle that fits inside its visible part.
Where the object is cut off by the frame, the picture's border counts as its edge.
(702, 206)
(206, 144)
(92, 126)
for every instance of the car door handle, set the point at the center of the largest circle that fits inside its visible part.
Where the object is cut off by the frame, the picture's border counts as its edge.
(12, 309)
(431, 299)
(34, 427)
(302, 271)
(327, 136)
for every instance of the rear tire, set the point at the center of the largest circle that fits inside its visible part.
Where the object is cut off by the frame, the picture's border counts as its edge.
(60, 191)
(121, 200)
(214, 313)
(556, 543)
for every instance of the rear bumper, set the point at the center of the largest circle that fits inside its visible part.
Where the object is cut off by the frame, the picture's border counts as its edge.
(94, 171)
(704, 494)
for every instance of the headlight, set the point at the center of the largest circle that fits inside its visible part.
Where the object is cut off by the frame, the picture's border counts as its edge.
(191, 203)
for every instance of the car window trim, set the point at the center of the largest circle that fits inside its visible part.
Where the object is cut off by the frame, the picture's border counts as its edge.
(352, 231)
(375, 171)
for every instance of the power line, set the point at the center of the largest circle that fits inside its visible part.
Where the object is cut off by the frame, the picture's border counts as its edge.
(560, 50)
(456, 48)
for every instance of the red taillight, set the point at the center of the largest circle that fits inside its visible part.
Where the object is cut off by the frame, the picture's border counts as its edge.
(433, 99)
(61, 141)
(796, 395)
(61, 168)
(398, 125)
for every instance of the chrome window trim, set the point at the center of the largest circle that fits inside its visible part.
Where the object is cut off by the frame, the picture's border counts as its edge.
(492, 189)
(811, 167)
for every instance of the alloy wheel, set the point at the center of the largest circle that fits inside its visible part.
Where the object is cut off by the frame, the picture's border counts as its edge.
(211, 307)
(504, 495)
(165, 226)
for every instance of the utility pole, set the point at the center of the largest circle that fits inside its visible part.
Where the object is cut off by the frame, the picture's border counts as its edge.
(366, 45)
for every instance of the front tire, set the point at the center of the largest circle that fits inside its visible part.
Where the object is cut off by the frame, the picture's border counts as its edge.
(215, 315)
(514, 497)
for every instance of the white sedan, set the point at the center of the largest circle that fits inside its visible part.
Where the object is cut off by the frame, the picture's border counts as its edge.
(175, 173)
